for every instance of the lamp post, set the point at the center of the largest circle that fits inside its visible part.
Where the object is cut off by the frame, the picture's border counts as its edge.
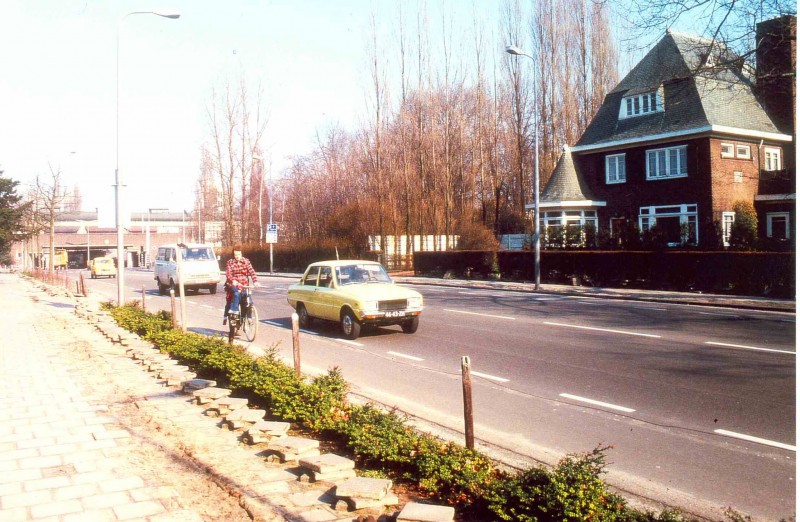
(118, 178)
(269, 189)
(516, 51)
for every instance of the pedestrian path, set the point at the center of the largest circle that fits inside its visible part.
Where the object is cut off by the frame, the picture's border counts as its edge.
(62, 456)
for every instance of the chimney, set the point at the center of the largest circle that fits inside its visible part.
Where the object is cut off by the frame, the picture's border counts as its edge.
(776, 56)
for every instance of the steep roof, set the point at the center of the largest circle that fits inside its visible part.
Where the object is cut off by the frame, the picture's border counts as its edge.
(696, 96)
(566, 183)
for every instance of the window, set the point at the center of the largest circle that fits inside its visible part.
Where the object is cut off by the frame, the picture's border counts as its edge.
(727, 150)
(772, 158)
(743, 151)
(778, 225)
(615, 168)
(667, 163)
(727, 225)
(311, 277)
(738, 177)
(641, 104)
(563, 228)
(677, 223)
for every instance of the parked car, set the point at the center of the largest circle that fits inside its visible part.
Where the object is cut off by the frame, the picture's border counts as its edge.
(200, 268)
(355, 294)
(103, 266)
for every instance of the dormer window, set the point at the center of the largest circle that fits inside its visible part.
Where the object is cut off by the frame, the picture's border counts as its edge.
(641, 104)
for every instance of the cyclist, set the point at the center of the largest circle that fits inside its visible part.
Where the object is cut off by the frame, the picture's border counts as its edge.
(238, 272)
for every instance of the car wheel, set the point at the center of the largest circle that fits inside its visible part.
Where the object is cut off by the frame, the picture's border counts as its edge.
(175, 288)
(212, 289)
(411, 326)
(303, 318)
(351, 328)
(162, 289)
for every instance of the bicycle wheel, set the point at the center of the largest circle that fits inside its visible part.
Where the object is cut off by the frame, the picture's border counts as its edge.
(250, 323)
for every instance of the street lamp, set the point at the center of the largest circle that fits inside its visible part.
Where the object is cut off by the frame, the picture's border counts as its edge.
(516, 51)
(118, 180)
(269, 188)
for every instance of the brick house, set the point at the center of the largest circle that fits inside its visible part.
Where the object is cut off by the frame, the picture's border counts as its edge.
(685, 135)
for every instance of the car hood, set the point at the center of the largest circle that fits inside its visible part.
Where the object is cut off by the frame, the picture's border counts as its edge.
(377, 292)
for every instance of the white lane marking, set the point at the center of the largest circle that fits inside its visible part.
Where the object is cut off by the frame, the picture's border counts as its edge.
(404, 356)
(590, 303)
(273, 323)
(623, 332)
(208, 306)
(717, 314)
(482, 315)
(596, 403)
(757, 440)
(347, 341)
(490, 377)
(743, 347)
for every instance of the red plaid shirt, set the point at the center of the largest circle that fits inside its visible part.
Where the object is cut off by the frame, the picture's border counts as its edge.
(239, 271)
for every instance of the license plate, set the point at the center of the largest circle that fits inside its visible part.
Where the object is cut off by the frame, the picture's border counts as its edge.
(395, 314)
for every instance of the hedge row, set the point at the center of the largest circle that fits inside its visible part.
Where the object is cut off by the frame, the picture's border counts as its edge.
(385, 443)
(744, 273)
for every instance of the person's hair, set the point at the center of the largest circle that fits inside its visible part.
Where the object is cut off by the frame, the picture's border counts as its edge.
(237, 248)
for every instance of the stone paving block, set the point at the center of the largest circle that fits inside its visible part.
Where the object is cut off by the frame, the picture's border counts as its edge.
(265, 431)
(290, 449)
(179, 378)
(197, 384)
(364, 488)
(225, 405)
(416, 512)
(355, 504)
(211, 393)
(163, 371)
(243, 418)
(328, 467)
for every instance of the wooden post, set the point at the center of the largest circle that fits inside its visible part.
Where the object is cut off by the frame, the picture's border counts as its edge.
(172, 304)
(296, 343)
(466, 379)
(82, 284)
(144, 306)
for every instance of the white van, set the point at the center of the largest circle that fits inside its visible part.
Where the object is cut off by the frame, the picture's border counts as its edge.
(200, 268)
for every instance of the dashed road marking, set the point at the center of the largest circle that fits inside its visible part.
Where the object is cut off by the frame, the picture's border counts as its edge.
(405, 356)
(745, 347)
(757, 440)
(482, 315)
(597, 403)
(490, 377)
(347, 341)
(622, 332)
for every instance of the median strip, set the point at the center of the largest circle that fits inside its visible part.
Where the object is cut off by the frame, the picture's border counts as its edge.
(744, 347)
(596, 403)
(623, 332)
(757, 440)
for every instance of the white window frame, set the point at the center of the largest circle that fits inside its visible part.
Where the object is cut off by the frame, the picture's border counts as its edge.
(682, 167)
(743, 151)
(564, 218)
(618, 161)
(686, 212)
(727, 150)
(641, 105)
(772, 215)
(772, 158)
(728, 219)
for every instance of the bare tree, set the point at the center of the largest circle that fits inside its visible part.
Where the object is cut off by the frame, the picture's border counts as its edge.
(49, 197)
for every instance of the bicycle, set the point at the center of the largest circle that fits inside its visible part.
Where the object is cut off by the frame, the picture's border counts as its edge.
(246, 321)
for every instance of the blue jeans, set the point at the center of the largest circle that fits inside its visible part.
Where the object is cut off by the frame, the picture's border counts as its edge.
(238, 293)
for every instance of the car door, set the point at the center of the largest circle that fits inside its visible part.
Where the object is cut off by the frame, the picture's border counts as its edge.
(307, 291)
(326, 295)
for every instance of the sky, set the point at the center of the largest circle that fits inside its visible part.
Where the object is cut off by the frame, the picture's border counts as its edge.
(58, 86)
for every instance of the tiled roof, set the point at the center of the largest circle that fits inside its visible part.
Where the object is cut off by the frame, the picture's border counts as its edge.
(694, 97)
(565, 184)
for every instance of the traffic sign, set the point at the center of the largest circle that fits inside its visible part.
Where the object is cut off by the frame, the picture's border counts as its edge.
(272, 233)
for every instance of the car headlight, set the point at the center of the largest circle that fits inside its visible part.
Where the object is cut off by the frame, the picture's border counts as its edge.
(414, 302)
(369, 306)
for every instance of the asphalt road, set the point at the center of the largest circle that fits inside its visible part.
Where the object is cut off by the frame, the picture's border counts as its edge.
(697, 402)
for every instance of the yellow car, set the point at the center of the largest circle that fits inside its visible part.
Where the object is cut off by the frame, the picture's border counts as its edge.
(103, 266)
(355, 294)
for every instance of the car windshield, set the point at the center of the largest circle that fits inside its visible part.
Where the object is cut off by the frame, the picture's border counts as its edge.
(361, 273)
(196, 254)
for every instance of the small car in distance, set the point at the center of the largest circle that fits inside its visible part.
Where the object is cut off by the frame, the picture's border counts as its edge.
(103, 266)
(355, 294)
